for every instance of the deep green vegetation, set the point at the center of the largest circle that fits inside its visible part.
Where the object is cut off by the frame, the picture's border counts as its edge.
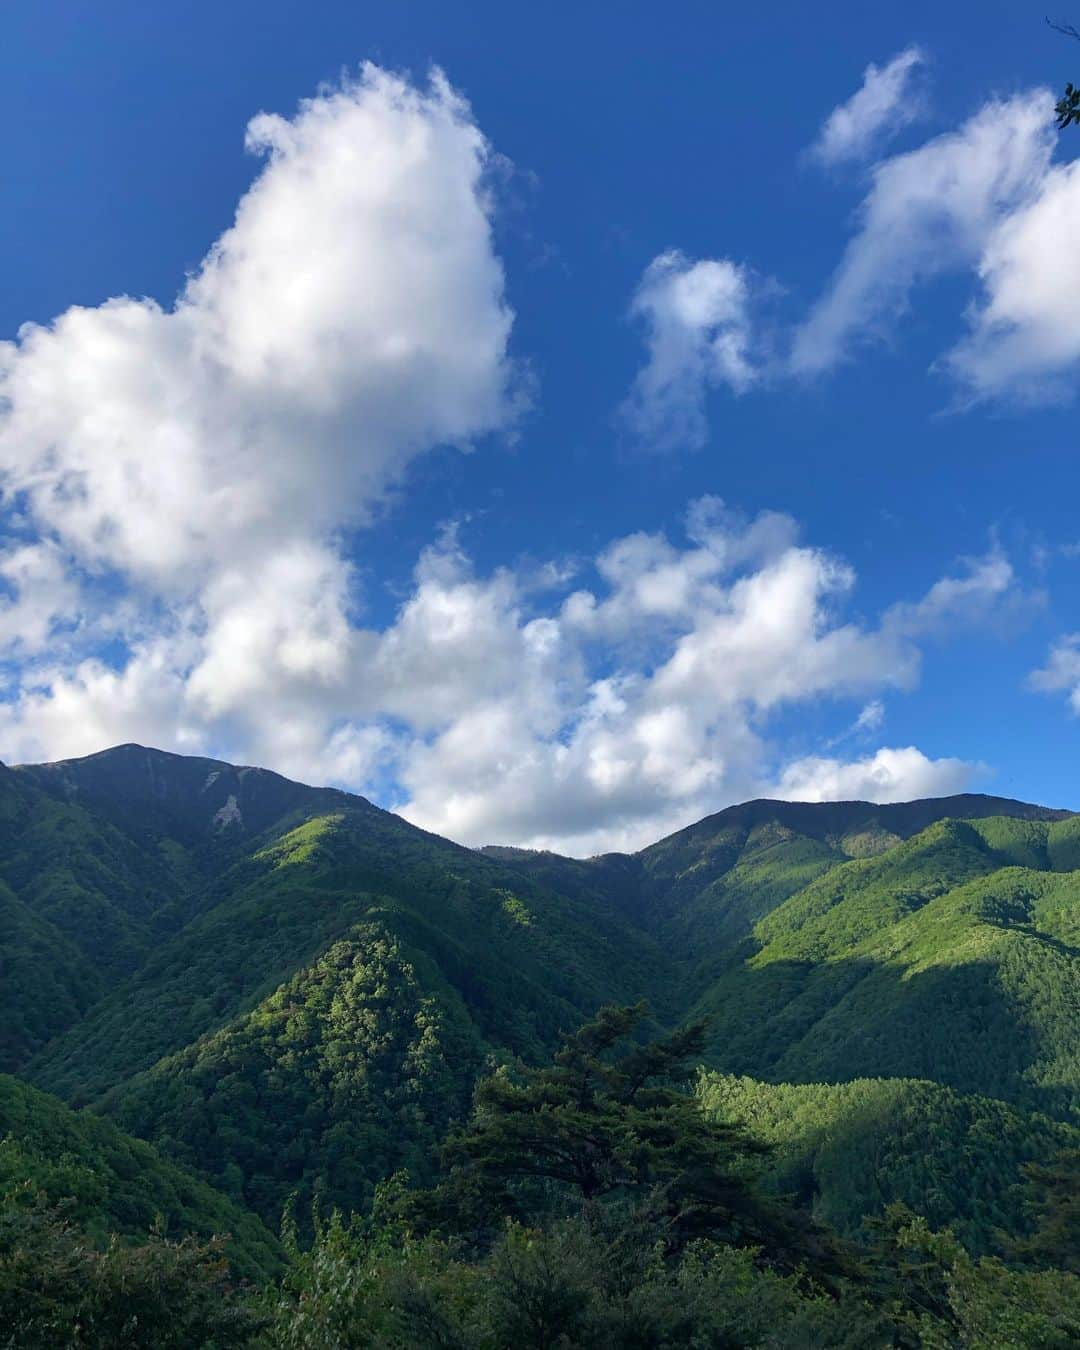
(351, 1070)
(847, 1150)
(586, 1204)
(110, 1183)
(524, 959)
(57, 1289)
(938, 959)
(292, 994)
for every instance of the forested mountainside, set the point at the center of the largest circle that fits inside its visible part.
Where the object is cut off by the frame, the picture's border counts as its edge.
(292, 993)
(111, 1183)
(849, 1149)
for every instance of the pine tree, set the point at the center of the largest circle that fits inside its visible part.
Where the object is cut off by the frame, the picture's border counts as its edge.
(1054, 1207)
(611, 1128)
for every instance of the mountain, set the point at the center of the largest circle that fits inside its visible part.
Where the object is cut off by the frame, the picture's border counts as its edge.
(713, 880)
(152, 794)
(952, 956)
(293, 991)
(336, 967)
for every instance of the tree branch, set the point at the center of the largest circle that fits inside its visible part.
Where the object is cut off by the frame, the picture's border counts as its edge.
(1065, 29)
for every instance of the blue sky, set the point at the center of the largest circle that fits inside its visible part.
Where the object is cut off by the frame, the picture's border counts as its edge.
(340, 511)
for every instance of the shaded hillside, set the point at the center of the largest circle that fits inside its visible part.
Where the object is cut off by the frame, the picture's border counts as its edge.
(840, 940)
(81, 905)
(111, 1183)
(104, 858)
(154, 794)
(353, 1069)
(248, 1045)
(851, 1149)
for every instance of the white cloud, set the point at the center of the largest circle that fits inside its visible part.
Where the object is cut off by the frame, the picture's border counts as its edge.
(883, 104)
(182, 478)
(699, 647)
(987, 200)
(66, 710)
(351, 318)
(1061, 672)
(983, 200)
(37, 598)
(552, 753)
(931, 210)
(489, 712)
(1025, 334)
(871, 718)
(696, 317)
(201, 459)
(987, 592)
(889, 775)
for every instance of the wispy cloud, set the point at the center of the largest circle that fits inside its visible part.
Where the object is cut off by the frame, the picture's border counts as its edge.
(985, 200)
(1061, 674)
(883, 104)
(932, 210)
(696, 320)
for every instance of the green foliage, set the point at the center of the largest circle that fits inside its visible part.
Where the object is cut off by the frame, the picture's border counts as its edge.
(850, 1150)
(59, 1290)
(260, 923)
(609, 1125)
(300, 845)
(110, 1184)
(80, 905)
(295, 993)
(1067, 108)
(943, 1299)
(610, 1275)
(1052, 1202)
(931, 961)
(565, 1286)
(351, 1070)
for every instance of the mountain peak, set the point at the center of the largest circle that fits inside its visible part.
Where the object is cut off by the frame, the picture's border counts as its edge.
(186, 795)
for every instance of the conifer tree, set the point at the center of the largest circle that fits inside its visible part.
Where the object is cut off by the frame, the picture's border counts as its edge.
(607, 1127)
(1054, 1206)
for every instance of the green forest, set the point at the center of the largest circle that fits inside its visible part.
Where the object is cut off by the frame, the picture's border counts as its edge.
(280, 1069)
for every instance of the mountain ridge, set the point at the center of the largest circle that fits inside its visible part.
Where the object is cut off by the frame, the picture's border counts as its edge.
(300, 996)
(69, 778)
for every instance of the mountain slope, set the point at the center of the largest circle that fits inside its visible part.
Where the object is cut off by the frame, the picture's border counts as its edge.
(81, 905)
(526, 960)
(844, 940)
(708, 884)
(932, 960)
(350, 1071)
(851, 1149)
(462, 958)
(152, 794)
(111, 1183)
